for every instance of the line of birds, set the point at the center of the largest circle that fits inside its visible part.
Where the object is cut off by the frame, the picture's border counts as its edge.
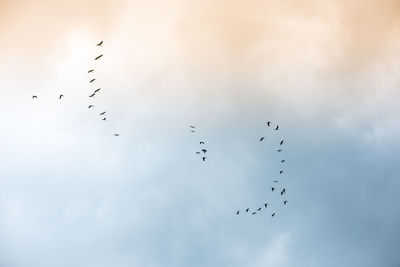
(283, 191)
(204, 150)
(100, 44)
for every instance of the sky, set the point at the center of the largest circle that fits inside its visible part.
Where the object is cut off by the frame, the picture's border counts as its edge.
(73, 194)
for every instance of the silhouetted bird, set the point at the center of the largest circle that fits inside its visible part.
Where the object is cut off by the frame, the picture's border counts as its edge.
(34, 96)
(60, 96)
(253, 213)
(279, 150)
(266, 205)
(92, 95)
(92, 80)
(104, 119)
(90, 106)
(98, 57)
(275, 181)
(283, 191)
(104, 112)
(204, 158)
(197, 152)
(284, 202)
(259, 209)
(281, 172)
(272, 188)
(273, 214)
(116, 134)
(201, 143)
(192, 131)
(237, 212)
(282, 161)
(281, 143)
(268, 123)
(90, 71)
(247, 210)
(99, 44)
(277, 128)
(204, 150)
(98, 89)
(261, 139)
(191, 126)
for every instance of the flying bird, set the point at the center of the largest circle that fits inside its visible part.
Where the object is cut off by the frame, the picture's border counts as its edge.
(282, 161)
(34, 96)
(201, 143)
(192, 131)
(204, 158)
(266, 205)
(247, 210)
(272, 188)
(277, 128)
(261, 139)
(204, 150)
(99, 44)
(98, 57)
(92, 80)
(281, 172)
(98, 89)
(284, 202)
(237, 212)
(275, 181)
(104, 119)
(197, 152)
(104, 112)
(283, 191)
(90, 106)
(279, 150)
(191, 126)
(281, 143)
(268, 123)
(273, 214)
(253, 213)
(89, 71)
(92, 95)
(60, 96)
(259, 209)
(116, 134)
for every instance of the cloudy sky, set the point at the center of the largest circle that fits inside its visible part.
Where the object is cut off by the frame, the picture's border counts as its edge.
(72, 194)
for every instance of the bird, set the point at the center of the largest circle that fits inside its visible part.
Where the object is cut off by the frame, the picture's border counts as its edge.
(273, 214)
(281, 172)
(92, 80)
(98, 57)
(92, 95)
(277, 128)
(284, 202)
(104, 119)
(282, 161)
(279, 150)
(259, 209)
(116, 134)
(204, 158)
(34, 96)
(283, 191)
(275, 181)
(197, 152)
(90, 106)
(237, 212)
(247, 210)
(191, 126)
(89, 71)
(266, 205)
(98, 89)
(192, 131)
(201, 143)
(272, 188)
(104, 112)
(99, 44)
(268, 123)
(261, 139)
(281, 143)
(253, 213)
(60, 96)
(204, 150)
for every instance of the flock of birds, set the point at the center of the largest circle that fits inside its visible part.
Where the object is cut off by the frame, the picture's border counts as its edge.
(273, 188)
(92, 95)
(202, 152)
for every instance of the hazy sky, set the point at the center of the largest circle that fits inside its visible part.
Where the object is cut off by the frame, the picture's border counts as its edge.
(72, 194)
